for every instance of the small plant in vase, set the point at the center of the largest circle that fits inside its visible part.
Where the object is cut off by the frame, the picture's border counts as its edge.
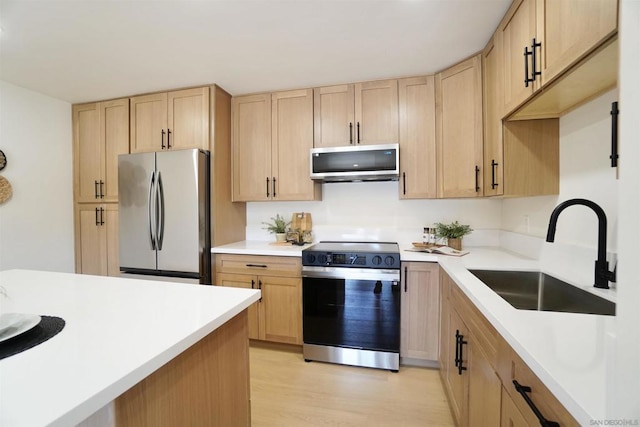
(453, 232)
(277, 226)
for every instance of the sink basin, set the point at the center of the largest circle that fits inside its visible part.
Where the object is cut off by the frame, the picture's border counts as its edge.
(532, 290)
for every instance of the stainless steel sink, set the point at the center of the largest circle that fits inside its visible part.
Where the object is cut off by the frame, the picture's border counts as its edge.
(532, 290)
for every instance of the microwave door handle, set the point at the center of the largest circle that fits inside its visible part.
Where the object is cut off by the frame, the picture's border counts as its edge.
(151, 211)
(160, 210)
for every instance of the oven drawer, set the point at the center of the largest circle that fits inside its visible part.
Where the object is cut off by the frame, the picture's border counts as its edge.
(259, 264)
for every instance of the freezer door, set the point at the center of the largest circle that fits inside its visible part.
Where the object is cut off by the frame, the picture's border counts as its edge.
(182, 194)
(136, 210)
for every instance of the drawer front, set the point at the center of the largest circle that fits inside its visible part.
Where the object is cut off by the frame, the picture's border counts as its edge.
(511, 367)
(259, 265)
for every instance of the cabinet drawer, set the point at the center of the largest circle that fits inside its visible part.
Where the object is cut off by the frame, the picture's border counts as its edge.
(511, 367)
(259, 264)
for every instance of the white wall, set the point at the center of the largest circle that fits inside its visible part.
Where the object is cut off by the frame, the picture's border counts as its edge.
(373, 211)
(622, 391)
(36, 224)
(585, 172)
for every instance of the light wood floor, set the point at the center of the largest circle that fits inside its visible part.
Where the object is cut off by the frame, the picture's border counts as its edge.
(287, 391)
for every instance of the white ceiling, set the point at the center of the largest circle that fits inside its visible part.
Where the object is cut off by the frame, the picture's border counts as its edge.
(91, 50)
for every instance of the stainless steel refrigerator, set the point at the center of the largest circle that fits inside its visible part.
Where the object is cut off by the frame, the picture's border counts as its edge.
(164, 215)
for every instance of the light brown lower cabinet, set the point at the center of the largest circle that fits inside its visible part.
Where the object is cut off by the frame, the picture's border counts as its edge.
(420, 311)
(478, 369)
(96, 234)
(277, 316)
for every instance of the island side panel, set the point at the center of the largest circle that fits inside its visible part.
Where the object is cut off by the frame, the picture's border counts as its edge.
(206, 385)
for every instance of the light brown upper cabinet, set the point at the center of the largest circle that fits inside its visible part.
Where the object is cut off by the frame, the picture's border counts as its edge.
(360, 113)
(170, 121)
(417, 138)
(493, 104)
(272, 135)
(544, 38)
(521, 158)
(459, 129)
(100, 133)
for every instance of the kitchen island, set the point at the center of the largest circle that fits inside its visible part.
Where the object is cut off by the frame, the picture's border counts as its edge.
(167, 353)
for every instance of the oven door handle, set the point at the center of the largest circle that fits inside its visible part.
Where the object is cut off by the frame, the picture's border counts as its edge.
(350, 273)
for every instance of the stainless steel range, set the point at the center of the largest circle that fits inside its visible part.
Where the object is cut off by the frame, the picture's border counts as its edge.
(351, 303)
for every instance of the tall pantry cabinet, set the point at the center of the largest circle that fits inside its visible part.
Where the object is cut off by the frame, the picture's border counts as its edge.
(100, 134)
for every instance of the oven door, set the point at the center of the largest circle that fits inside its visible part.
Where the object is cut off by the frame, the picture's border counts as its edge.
(352, 309)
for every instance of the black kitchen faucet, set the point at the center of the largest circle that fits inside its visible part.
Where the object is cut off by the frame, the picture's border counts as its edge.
(602, 274)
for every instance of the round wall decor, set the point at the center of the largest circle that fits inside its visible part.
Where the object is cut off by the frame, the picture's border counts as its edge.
(3, 160)
(5, 189)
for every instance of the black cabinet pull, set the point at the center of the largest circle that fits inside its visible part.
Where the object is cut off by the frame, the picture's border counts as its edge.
(252, 283)
(101, 216)
(101, 189)
(527, 79)
(358, 131)
(523, 390)
(168, 138)
(494, 169)
(350, 133)
(97, 222)
(162, 139)
(477, 180)
(256, 265)
(267, 186)
(95, 189)
(260, 287)
(404, 183)
(535, 71)
(459, 343)
(405, 279)
(614, 134)
(274, 186)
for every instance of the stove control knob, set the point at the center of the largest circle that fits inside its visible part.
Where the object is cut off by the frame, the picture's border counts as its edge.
(311, 258)
(389, 260)
(376, 260)
(323, 259)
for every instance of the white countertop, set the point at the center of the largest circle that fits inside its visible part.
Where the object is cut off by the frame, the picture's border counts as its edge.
(117, 332)
(259, 247)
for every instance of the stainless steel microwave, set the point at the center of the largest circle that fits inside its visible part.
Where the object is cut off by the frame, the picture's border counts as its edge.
(356, 163)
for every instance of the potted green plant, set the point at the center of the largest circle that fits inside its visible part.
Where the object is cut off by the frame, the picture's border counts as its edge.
(453, 232)
(277, 226)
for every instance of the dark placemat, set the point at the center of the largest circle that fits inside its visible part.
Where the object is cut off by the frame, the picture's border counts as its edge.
(48, 327)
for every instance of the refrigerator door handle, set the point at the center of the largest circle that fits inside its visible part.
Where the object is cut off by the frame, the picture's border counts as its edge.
(151, 218)
(160, 210)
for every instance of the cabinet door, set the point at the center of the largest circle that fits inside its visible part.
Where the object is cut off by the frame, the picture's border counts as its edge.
(188, 119)
(493, 103)
(114, 140)
(458, 380)
(87, 152)
(510, 415)
(420, 311)
(334, 123)
(149, 123)
(91, 245)
(417, 138)
(568, 30)
(246, 281)
(251, 147)
(445, 352)
(291, 142)
(484, 389)
(111, 236)
(518, 30)
(281, 309)
(459, 130)
(376, 112)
